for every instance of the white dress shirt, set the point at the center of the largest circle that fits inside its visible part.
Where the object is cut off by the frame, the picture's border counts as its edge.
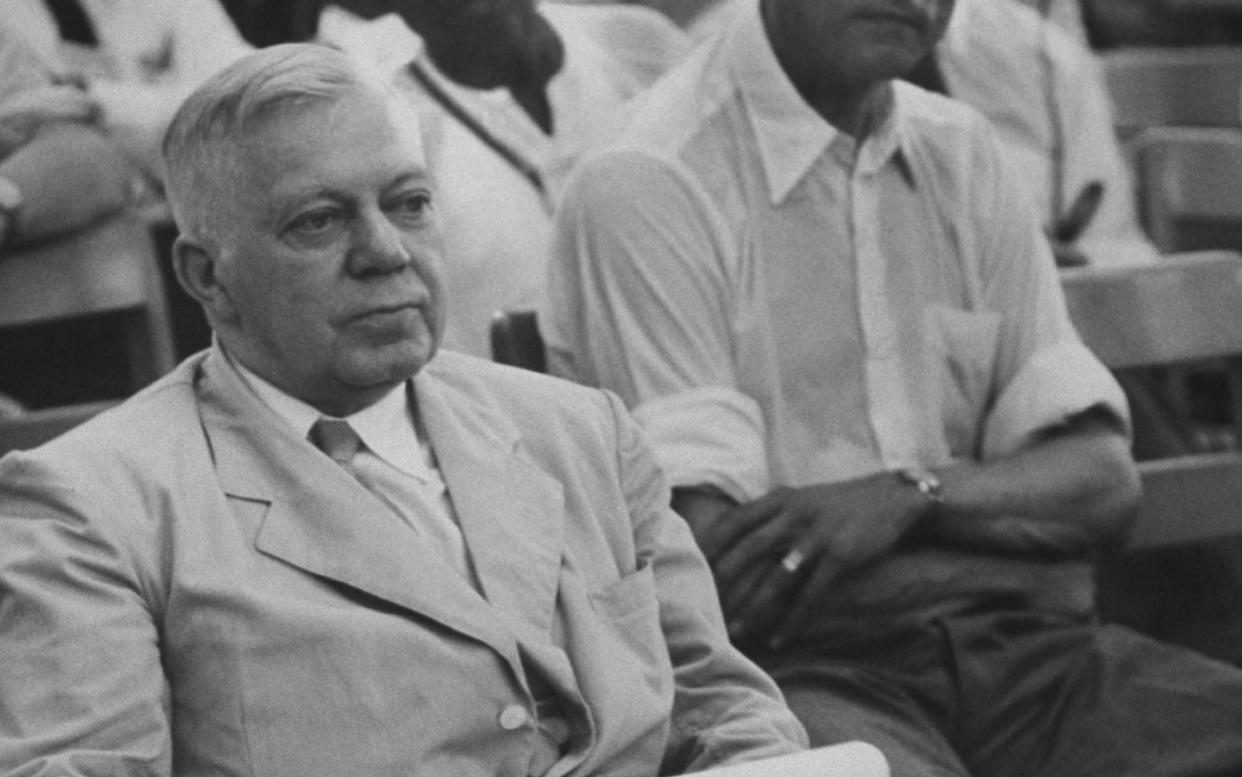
(151, 55)
(397, 461)
(782, 307)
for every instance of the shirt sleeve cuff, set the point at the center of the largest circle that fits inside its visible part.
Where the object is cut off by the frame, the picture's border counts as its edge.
(710, 436)
(1057, 383)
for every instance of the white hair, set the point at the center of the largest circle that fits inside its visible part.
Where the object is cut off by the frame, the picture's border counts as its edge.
(199, 147)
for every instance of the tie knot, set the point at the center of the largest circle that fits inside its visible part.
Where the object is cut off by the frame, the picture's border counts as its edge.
(337, 439)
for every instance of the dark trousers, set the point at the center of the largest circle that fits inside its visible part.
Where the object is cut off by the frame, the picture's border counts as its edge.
(1021, 694)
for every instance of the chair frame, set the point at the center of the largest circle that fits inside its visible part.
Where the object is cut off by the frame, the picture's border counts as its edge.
(1186, 308)
(109, 268)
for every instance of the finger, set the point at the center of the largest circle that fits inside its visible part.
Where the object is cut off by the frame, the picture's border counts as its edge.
(805, 600)
(753, 512)
(765, 605)
(763, 546)
(738, 593)
(717, 535)
(731, 527)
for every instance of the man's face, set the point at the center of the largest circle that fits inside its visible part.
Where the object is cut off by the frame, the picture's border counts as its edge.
(330, 257)
(854, 43)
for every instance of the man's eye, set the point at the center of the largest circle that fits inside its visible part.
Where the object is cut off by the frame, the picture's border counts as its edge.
(413, 204)
(314, 223)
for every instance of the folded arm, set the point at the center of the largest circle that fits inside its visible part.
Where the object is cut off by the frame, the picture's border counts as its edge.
(1070, 492)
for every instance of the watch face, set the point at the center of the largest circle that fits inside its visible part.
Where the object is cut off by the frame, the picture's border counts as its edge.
(10, 195)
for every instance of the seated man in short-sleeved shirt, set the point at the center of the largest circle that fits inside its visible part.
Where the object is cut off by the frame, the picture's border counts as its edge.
(826, 296)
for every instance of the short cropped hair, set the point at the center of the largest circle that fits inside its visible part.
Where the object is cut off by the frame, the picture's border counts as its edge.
(237, 101)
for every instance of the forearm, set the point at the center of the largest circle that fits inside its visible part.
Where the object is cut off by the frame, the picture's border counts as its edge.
(1073, 491)
(70, 176)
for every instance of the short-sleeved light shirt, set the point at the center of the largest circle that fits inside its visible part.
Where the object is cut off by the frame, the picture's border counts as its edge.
(782, 308)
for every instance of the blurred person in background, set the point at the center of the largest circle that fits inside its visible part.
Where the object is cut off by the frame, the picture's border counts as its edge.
(508, 106)
(1045, 94)
(59, 174)
(58, 171)
(137, 58)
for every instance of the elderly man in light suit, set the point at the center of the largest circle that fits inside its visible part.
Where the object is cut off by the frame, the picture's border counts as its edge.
(480, 577)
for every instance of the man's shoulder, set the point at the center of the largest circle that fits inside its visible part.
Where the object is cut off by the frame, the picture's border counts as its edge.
(145, 445)
(146, 426)
(512, 388)
(948, 139)
(554, 416)
(941, 117)
(680, 109)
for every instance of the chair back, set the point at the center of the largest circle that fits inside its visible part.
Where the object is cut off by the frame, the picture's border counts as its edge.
(1190, 187)
(516, 341)
(108, 268)
(1184, 309)
(1154, 87)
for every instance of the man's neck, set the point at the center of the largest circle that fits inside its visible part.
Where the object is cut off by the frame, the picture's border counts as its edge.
(855, 111)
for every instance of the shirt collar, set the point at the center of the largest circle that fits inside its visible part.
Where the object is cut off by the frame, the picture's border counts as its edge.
(386, 427)
(790, 135)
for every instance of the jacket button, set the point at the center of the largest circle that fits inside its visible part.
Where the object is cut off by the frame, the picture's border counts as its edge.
(513, 717)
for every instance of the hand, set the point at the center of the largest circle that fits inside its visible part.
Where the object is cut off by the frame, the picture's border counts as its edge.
(775, 557)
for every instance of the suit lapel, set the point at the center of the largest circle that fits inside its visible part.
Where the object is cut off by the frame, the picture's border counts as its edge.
(511, 512)
(324, 522)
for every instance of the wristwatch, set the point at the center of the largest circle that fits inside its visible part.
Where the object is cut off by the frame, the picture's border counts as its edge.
(10, 200)
(926, 482)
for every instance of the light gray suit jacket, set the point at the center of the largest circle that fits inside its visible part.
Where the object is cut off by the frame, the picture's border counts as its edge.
(187, 587)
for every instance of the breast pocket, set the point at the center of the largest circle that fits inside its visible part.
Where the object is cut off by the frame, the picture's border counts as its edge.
(630, 683)
(962, 353)
(628, 596)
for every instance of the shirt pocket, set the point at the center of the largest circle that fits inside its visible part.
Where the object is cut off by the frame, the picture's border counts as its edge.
(962, 353)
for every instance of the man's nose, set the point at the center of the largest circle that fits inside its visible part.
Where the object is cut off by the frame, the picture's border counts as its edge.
(378, 247)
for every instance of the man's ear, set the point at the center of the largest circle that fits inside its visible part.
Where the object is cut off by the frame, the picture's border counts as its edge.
(197, 268)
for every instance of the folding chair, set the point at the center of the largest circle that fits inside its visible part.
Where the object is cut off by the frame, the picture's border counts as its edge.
(109, 268)
(1180, 578)
(1153, 87)
(1190, 187)
(39, 426)
(516, 341)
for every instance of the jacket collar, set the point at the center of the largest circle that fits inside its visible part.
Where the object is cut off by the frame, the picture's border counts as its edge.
(321, 520)
(790, 135)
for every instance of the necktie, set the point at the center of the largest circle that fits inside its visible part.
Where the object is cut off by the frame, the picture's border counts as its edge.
(75, 26)
(420, 504)
(339, 440)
